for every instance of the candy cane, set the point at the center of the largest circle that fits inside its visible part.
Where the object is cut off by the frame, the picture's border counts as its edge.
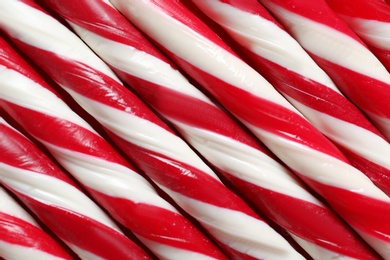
(162, 155)
(290, 69)
(270, 117)
(215, 136)
(341, 54)
(58, 203)
(370, 20)
(20, 235)
(89, 158)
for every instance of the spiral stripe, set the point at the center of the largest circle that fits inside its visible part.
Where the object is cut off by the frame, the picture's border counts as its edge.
(370, 21)
(96, 164)
(71, 215)
(216, 137)
(20, 235)
(286, 65)
(123, 105)
(262, 109)
(334, 46)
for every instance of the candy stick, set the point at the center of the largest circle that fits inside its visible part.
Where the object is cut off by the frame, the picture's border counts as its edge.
(370, 20)
(58, 203)
(127, 196)
(341, 54)
(166, 158)
(190, 43)
(20, 235)
(220, 140)
(290, 69)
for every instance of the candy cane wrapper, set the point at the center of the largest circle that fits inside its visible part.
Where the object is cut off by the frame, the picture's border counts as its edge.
(370, 20)
(58, 203)
(20, 235)
(270, 117)
(162, 155)
(341, 54)
(290, 69)
(215, 136)
(88, 157)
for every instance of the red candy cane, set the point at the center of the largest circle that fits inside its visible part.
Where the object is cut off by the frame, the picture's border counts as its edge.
(88, 157)
(166, 158)
(20, 235)
(283, 62)
(58, 203)
(340, 53)
(190, 43)
(370, 20)
(265, 182)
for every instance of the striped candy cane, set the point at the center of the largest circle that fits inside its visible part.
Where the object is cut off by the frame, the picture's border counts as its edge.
(370, 20)
(20, 235)
(165, 157)
(216, 137)
(58, 203)
(340, 53)
(270, 117)
(127, 196)
(290, 69)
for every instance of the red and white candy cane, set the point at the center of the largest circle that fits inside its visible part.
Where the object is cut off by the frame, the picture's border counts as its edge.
(49, 193)
(164, 156)
(203, 55)
(370, 20)
(284, 63)
(127, 196)
(340, 53)
(218, 138)
(20, 235)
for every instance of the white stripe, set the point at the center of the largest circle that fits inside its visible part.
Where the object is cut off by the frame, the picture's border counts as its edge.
(359, 140)
(380, 246)
(16, 252)
(21, 90)
(43, 31)
(376, 33)
(165, 252)
(238, 230)
(142, 132)
(245, 162)
(52, 191)
(138, 63)
(107, 177)
(318, 252)
(197, 50)
(9, 206)
(332, 45)
(320, 166)
(266, 39)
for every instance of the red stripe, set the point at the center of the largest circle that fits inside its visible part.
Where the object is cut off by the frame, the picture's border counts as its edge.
(316, 10)
(378, 174)
(312, 94)
(17, 231)
(63, 133)
(301, 218)
(366, 214)
(83, 231)
(90, 83)
(182, 178)
(262, 113)
(159, 225)
(179, 12)
(382, 54)
(18, 151)
(102, 19)
(367, 9)
(367, 93)
(11, 60)
(190, 110)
